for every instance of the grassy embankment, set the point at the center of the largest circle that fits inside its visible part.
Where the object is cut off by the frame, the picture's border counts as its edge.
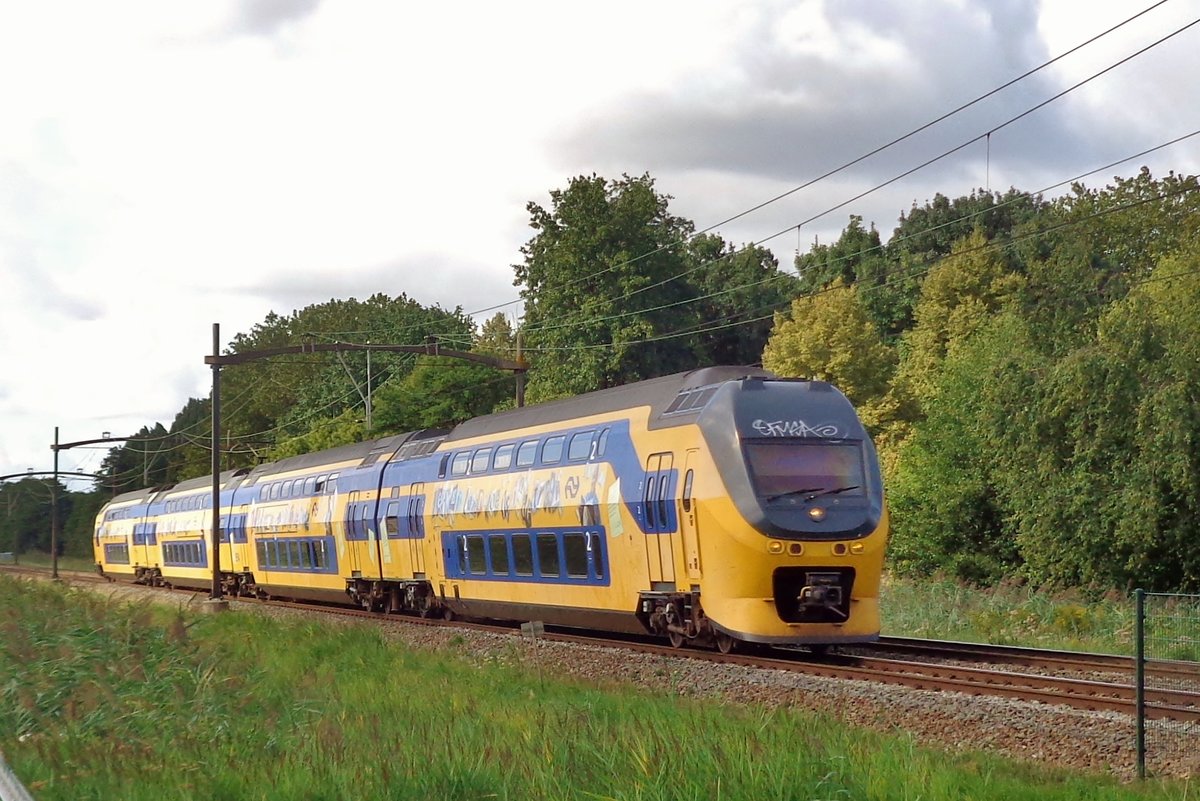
(1018, 615)
(99, 700)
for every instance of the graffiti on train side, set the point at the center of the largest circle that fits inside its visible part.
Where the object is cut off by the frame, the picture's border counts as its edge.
(518, 496)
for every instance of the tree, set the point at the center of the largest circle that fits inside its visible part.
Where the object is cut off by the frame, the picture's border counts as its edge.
(737, 291)
(601, 281)
(957, 297)
(949, 510)
(824, 264)
(829, 336)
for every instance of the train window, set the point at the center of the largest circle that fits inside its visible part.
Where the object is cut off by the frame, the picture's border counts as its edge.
(310, 485)
(503, 458)
(320, 485)
(331, 484)
(527, 453)
(294, 553)
(552, 450)
(575, 554)
(305, 554)
(648, 504)
(547, 551)
(297, 488)
(475, 555)
(319, 553)
(664, 487)
(498, 550)
(522, 552)
(602, 443)
(262, 554)
(277, 553)
(462, 461)
(594, 548)
(581, 446)
(275, 490)
(391, 522)
(479, 462)
(687, 492)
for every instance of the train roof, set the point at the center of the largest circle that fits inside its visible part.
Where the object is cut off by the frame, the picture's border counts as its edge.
(657, 393)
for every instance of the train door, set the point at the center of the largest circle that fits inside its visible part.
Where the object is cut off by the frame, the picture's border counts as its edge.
(658, 516)
(416, 528)
(688, 518)
(353, 534)
(239, 546)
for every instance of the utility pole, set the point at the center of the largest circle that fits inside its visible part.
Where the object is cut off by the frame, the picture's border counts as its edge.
(54, 514)
(215, 594)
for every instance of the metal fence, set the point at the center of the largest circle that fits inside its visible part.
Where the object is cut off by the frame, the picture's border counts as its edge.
(11, 788)
(1167, 657)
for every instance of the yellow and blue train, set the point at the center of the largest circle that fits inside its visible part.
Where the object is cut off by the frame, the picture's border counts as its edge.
(715, 506)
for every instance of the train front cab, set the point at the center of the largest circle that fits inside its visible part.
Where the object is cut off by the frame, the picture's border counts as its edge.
(790, 515)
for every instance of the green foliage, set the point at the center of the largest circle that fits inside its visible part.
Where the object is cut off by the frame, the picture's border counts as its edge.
(440, 393)
(830, 337)
(598, 244)
(735, 285)
(947, 512)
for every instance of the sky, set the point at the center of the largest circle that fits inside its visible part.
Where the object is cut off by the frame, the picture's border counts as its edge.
(166, 165)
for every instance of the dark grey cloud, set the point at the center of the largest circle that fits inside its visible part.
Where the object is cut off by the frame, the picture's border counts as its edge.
(791, 114)
(268, 17)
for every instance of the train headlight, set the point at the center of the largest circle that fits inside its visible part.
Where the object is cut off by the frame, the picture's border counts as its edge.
(816, 513)
(857, 547)
(775, 547)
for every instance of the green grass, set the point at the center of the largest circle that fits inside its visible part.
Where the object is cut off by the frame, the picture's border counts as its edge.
(940, 608)
(99, 700)
(66, 562)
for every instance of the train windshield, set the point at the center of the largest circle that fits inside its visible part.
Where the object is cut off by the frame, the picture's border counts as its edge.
(785, 467)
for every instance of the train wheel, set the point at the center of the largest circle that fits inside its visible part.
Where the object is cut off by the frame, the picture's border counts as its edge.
(447, 613)
(725, 644)
(675, 638)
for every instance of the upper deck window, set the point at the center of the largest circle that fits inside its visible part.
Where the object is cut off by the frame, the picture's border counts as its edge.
(462, 461)
(504, 455)
(581, 446)
(527, 453)
(553, 449)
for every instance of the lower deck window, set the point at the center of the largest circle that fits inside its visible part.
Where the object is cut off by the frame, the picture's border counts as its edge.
(522, 555)
(565, 557)
(295, 554)
(116, 553)
(183, 554)
(548, 555)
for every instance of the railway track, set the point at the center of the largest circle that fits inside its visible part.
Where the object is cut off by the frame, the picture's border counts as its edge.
(1075, 690)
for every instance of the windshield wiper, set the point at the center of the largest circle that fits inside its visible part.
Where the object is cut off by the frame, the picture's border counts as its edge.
(779, 495)
(816, 492)
(833, 491)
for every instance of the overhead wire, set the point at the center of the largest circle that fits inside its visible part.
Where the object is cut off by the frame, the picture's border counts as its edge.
(920, 270)
(866, 251)
(865, 156)
(861, 195)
